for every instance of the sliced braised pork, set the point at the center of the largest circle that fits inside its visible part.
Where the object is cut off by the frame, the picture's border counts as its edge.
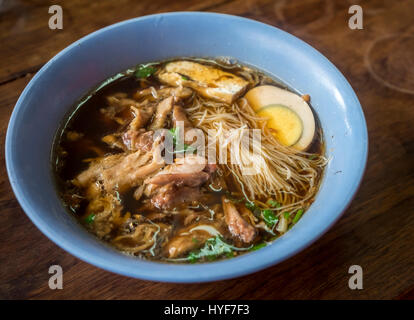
(163, 109)
(141, 117)
(138, 140)
(120, 171)
(238, 227)
(179, 115)
(170, 196)
(186, 171)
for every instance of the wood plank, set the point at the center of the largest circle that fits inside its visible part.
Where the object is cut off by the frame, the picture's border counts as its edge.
(27, 42)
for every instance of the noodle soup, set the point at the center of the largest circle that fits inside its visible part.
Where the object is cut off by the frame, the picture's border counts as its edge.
(130, 170)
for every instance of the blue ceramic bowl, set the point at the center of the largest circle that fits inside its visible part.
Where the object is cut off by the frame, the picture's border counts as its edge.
(84, 64)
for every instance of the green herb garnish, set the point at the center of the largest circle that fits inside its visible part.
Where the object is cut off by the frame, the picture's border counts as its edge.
(144, 71)
(90, 218)
(185, 77)
(186, 148)
(192, 257)
(118, 196)
(297, 216)
(175, 132)
(258, 246)
(273, 203)
(213, 248)
(250, 205)
(269, 217)
(253, 208)
(286, 215)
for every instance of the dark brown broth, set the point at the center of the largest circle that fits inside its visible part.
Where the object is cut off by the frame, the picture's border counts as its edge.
(89, 120)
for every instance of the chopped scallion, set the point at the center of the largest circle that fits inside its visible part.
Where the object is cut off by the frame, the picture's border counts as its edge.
(144, 71)
(90, 218)
(269, 217)
(297, 216)
(258, 246)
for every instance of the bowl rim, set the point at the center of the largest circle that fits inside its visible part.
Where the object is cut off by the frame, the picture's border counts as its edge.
(182, 273)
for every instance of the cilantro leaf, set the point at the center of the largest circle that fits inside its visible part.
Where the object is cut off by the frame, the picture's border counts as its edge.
(90, 218)
(144, 71)
(213, 248)
(175, 132)
(269, 217)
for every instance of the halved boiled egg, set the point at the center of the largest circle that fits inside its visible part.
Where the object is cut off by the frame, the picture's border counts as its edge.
(289, 116)
(285, 124)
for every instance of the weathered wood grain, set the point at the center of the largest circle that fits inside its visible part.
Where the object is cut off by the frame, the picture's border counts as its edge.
(28, 43)
(376, 232)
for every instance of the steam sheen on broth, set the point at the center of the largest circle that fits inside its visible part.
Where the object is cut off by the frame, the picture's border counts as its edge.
(112, 176)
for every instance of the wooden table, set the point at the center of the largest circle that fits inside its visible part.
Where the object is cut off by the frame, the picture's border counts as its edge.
(376, 232)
